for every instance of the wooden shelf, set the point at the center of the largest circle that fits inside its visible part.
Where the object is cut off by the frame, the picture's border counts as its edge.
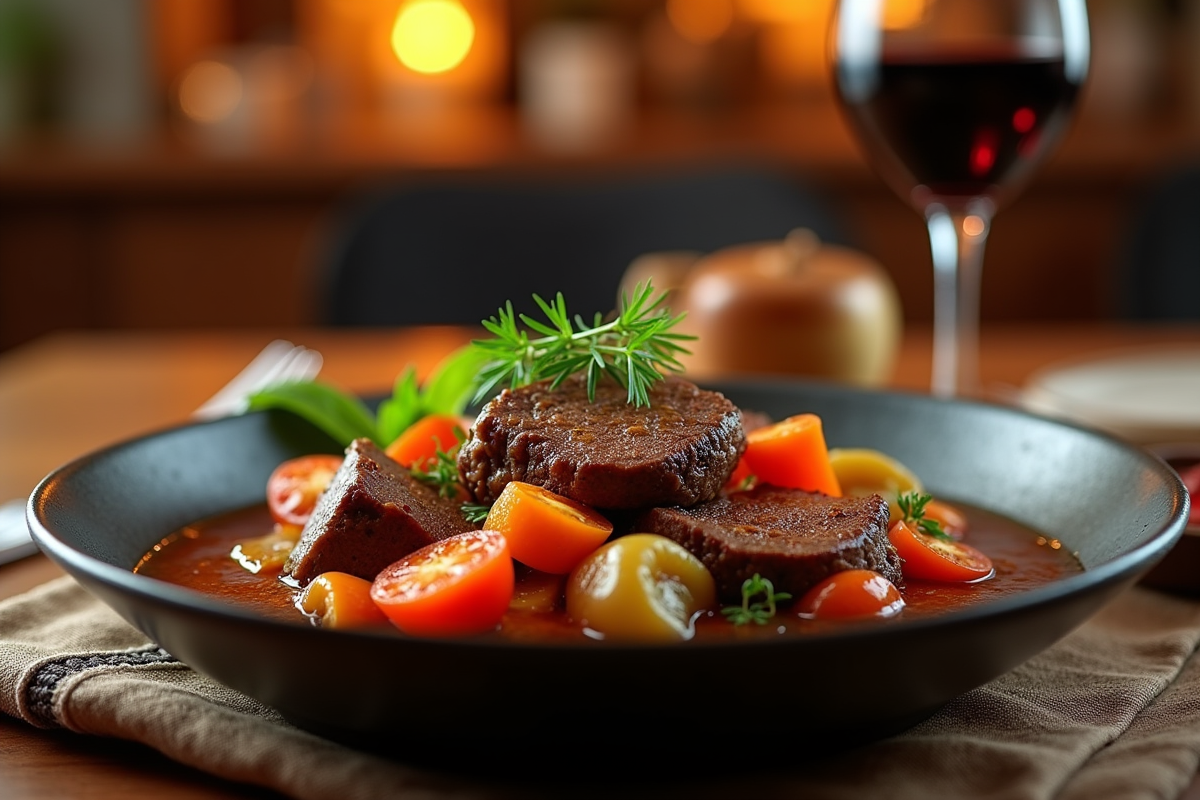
(807, 136)
(179, 232)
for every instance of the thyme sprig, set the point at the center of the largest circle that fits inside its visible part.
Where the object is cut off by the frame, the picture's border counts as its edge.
(473, 512)
(756, 611)
(634, 349)
(440, 472)
(912, 510)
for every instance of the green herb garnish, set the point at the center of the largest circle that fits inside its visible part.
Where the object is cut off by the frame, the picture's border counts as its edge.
(756, 611)
(446, 391)
(346, 418)
(746, 484)
(474, 513)
(342, 416)
(912, 511)
(440, 473)
(633, 349)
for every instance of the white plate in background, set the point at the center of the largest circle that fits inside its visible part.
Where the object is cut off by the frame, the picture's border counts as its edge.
(14, 535)
(1148, 396)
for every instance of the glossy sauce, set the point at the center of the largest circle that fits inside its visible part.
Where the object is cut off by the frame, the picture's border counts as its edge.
(198, 557)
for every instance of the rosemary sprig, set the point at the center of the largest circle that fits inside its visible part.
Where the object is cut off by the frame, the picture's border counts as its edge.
(758, 611)
(912, 510)
(633, 349)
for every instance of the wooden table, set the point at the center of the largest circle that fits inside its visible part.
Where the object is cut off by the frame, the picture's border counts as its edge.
(70, 393)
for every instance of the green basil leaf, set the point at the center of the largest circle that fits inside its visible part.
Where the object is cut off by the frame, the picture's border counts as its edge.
(450, 386)
(402, 409)
(342, 416)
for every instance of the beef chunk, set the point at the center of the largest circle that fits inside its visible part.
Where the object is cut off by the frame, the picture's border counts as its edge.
(607, 453)
(373, 514)
(791, 537)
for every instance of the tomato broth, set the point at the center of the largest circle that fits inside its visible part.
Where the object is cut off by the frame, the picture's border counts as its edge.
(198, 557)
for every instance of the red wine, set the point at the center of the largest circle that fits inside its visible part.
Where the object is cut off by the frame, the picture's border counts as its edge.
(957, 125)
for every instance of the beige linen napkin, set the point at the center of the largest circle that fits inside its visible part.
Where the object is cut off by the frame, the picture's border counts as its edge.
(1113, 710)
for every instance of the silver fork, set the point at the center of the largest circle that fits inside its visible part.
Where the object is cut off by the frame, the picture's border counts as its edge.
(279, 362)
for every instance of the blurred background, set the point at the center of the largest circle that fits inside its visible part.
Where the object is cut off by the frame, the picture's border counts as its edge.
(183, 163)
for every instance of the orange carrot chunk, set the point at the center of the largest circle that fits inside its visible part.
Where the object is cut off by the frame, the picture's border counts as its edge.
(339, 600)
(546, 531)
(792, 453)
(420, 442)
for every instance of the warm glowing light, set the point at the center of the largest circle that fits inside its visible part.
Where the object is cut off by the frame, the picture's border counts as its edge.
(700, 21)
(793, 53)
(210, 92)
(898, 14)
(776, 12)
(353, 9)
(432, 36)
(1024, 119)
(973, 225)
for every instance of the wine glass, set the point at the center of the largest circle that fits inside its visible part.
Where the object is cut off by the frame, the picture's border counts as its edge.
(956, 102)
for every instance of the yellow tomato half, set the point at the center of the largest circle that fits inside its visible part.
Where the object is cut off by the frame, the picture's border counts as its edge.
(641, 587)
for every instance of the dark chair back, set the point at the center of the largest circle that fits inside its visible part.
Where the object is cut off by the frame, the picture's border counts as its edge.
(1159, 273)
(452, 250)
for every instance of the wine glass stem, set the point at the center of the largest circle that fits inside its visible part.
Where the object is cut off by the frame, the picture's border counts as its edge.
(957, 239)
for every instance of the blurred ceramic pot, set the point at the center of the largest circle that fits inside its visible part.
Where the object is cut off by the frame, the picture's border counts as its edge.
(795, 306)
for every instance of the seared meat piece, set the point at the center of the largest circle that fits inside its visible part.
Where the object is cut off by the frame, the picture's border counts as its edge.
(791, 537)
(373, 514)
(606, 454)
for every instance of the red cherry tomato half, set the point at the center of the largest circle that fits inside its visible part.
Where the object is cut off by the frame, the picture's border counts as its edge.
(929, 558)
(953, 521)
(295, 485)
(852, 594)
(1191, 480)
(456, 587)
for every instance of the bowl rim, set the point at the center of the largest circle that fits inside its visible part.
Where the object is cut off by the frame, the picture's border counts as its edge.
(1118, 568)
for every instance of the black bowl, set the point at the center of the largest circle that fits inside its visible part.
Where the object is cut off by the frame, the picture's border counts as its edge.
(1179, 570)
(1120, 508)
